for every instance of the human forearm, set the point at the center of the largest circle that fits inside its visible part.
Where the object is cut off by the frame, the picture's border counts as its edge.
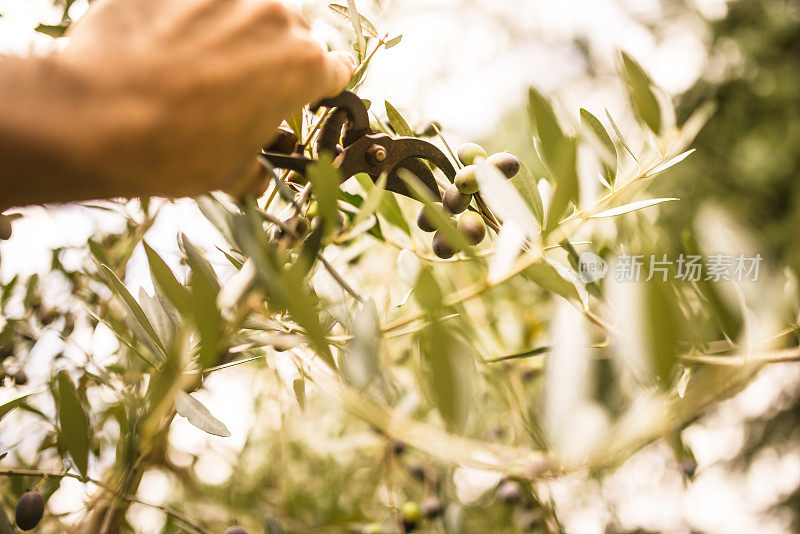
(134, 108)
(51, 131)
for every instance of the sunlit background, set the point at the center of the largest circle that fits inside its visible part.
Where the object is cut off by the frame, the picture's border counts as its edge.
(467, 64)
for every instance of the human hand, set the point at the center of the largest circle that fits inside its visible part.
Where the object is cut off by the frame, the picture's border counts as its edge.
(179, 95)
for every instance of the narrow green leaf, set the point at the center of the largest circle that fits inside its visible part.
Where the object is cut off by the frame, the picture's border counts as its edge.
(325, 180)
(640, 91)
(198, 415)
(546, 127)
(13, 403)
(52, 30)
(669, 163)
(449, 368)
(528, 190)
(388, 208)
(547, 277)
(394, 41)
(73, 422)
(372, 201)
(133, 307)
(344, 13)
(663, 328)
(566, 187)
(399, 124)
(633, 206)
(610, 156)
(166, 281)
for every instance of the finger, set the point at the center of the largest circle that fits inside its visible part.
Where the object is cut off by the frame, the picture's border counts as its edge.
(338, 70)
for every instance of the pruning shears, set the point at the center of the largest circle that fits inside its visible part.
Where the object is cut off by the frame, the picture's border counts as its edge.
(346, 134)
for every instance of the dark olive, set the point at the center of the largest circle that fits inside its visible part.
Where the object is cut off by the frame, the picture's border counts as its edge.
(410, 514)
(468, 153)
(509, 492)
(47, 315)
(441, 247)
(530, 521)
(507, 163)
(20, 378)
(29, 510)
(397, 447)
(418, 471)
(236, 529)
(454, 200)
(5, 227)
(688, 466)
(472, 226)
(466, 180)
(283, 143)
(431, 507)
(425, 219)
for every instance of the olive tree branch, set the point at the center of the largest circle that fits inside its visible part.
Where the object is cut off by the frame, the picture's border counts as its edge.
(14, 472)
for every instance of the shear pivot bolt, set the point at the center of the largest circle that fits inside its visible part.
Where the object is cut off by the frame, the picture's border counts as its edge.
(376, 154)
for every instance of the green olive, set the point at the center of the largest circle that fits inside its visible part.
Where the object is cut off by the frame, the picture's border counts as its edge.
(29, 510)
(470, 153)
(472, 226)
(454, 200)
(506, 162)
(441, 247)
(466, 180)
(410, 514)
(372, 528)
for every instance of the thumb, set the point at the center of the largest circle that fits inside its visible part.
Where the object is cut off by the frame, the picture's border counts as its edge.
(339, 69)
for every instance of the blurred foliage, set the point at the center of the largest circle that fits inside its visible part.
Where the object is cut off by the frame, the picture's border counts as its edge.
(393, 391)
(749, 163)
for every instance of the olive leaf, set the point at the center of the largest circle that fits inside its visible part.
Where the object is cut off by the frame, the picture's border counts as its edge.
(5, 408)
(165, 280)
(509, 244)
(133, 307)
(73, 421)
(558, 152)
(394, 41)
(52, 30)
(669, 163)
(663, 328)
(388, 208)
(547, 276)
(344, 12)
(640, 92)
(633, 206)
(372, 201)
(199, 416)
(360, 363)
(325, 179)
(398, 123)
(529, 191)
(203, 290)
(609, 152)
(504, 200)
